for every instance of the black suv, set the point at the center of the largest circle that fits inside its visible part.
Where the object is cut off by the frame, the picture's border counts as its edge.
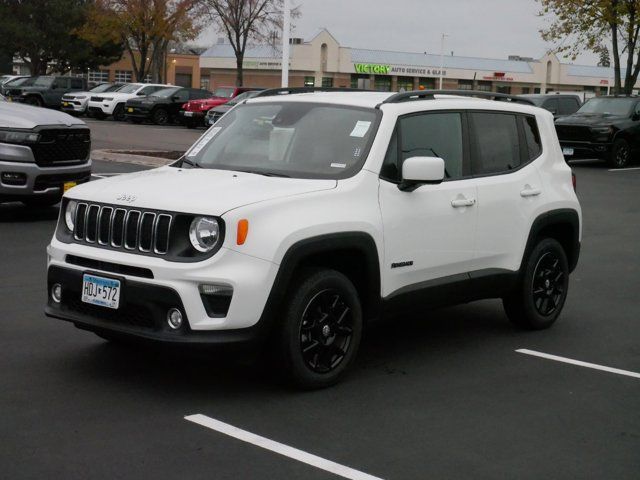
(47, 91)
(162, 106)
(557, 103)
(605, 127)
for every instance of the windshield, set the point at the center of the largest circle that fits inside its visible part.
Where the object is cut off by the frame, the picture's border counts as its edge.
(43, 82)
(289, 139)
(130, 88)
(242, 97)
(609, 106)
(165, 92)
(224, 92)
(105, 87)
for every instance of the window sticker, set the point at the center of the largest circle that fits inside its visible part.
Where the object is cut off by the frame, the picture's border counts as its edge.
(357, 152)
(195, 150)
(361, 129)
(338, 165)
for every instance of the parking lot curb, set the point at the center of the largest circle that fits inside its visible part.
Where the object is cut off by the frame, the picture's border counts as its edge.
(129, 157)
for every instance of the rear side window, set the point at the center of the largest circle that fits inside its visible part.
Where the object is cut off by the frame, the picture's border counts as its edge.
(532, 137)
(551, 105)
(567, 105)
(149, 90)
(497, 144)
(426, 135)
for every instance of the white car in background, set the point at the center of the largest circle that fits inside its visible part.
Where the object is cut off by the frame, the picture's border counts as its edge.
(101, 106)
(77, 102)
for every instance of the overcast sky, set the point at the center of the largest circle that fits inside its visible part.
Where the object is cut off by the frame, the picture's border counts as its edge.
(476, 28)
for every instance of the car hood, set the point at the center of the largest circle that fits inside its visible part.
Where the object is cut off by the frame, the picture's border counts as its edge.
(210, 102)
(590, 119)
(194, 190)
(16, 115)
(116, 95)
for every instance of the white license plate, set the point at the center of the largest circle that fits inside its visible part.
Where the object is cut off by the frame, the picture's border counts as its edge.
(567, 151)
(101, 291)
(188, 114)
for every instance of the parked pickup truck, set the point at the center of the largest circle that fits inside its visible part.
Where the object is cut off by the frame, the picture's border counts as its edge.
(43, 153)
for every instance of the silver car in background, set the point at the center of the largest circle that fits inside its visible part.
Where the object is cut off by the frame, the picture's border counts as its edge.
(43, 153)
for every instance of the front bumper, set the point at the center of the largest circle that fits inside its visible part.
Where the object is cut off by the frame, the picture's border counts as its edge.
(39, 181)
(104, 108)
(73, 106)
(137, 112)
(145, 300)
(586, 149)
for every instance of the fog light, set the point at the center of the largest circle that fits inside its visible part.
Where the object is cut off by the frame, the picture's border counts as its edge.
(14, 178)
(56, 292)
(174, 318)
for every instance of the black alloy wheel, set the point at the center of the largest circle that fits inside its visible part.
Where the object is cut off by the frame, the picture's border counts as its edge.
(320, 328)
(620, 156)
(540, 295)
(326, 331)
(160, 116)
(548, 284)
(118, 113)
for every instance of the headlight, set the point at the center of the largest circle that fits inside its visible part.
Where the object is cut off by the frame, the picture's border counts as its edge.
(81, 97)
(204, 233)
(602, 130)
(70, 214)
(12, 136)
(107, 99)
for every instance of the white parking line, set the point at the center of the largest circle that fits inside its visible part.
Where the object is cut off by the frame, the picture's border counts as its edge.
(623, 169)
(579, 363)
(280, 448)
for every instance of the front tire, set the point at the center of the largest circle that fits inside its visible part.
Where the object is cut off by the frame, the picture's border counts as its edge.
(321, 329)
(35, 101)
(542, 290)
(160, 116)
(41, 202)
(620, 155)
(118, 113)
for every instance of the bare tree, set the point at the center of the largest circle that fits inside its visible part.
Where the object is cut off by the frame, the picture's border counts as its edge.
(244, 21)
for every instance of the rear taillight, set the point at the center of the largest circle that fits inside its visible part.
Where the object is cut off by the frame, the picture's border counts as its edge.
(574, 182)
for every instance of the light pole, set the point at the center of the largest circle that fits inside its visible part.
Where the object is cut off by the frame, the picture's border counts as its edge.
(442, 58)
(286, 27)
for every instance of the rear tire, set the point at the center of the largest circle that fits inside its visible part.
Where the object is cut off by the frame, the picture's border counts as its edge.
(321, 328)
(542, 290)
(190, 124)
(620, 156)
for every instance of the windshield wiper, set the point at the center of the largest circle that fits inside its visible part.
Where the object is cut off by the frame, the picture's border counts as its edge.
(266, 174)
(190, 163)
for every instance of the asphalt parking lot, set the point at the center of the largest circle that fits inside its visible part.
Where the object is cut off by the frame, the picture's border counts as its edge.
(443, 394)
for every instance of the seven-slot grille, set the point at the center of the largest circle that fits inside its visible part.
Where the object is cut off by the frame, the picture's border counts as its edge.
(128, 229)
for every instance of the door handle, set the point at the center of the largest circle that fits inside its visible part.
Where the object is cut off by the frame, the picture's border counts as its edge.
(463, 202)
(530, 192)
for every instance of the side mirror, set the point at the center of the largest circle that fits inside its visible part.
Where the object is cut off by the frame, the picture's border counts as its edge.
(417, 171)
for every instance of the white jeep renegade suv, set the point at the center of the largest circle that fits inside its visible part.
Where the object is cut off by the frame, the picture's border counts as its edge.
(297, 218)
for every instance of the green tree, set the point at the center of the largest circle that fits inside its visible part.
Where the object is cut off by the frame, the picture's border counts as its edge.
(40, 32)
(583, 24)
(145, 28)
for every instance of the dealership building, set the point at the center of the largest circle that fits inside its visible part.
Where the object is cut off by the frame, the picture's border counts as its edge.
(323, 62)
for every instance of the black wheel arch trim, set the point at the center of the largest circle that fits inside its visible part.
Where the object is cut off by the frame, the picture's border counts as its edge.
(560, 217)
(296, 255)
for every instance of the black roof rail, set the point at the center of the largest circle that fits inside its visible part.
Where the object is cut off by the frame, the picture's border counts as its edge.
(293, 90)
(430, 95)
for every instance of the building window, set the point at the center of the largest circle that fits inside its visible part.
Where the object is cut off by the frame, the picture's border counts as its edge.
(604, 90)
(204, 83)
(327, 82)
(405, 84)
(309, 81)
(503, 89)
(98, 76)
(526, 90)
(589, 89)
(363, 82)
(465, 84)
(484, 86)
(123, 76)
(536, 90)
(148, 78)
(427, 84)
(383, 84)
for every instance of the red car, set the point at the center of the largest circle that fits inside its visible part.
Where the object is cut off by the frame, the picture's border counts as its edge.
(193, 112)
